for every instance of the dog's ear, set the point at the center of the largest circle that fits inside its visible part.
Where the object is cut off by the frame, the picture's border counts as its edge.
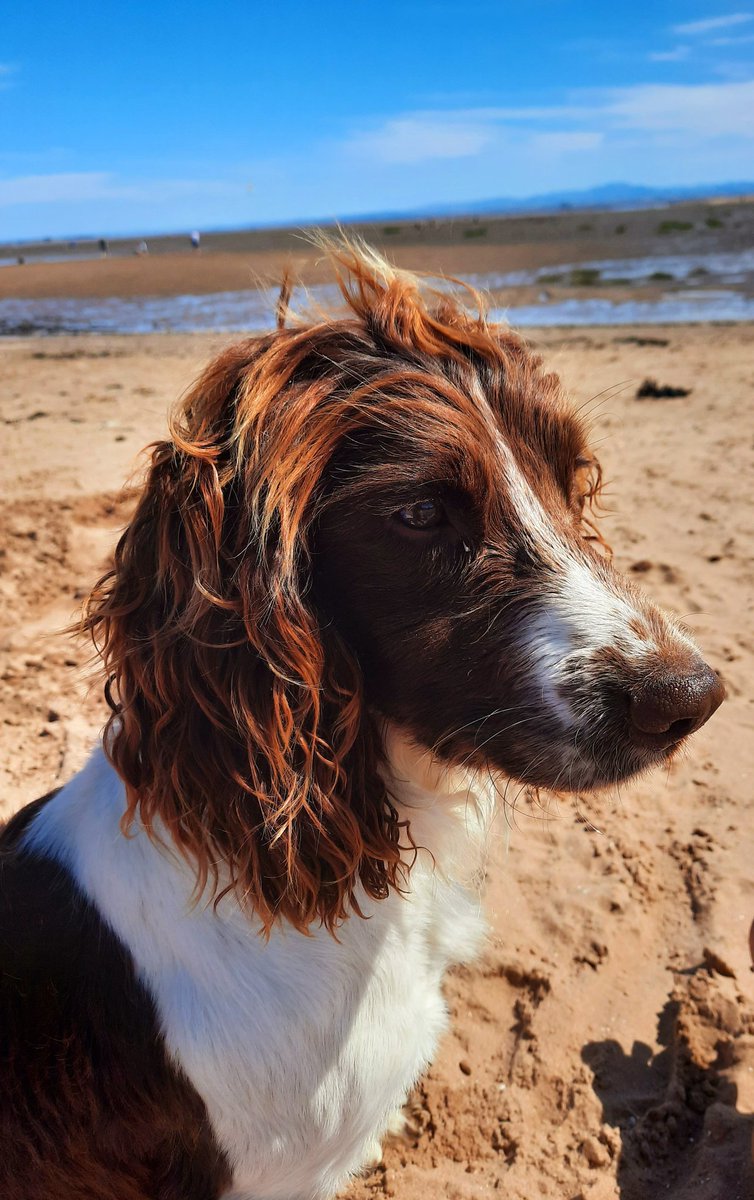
(239, 733)
(589, 487)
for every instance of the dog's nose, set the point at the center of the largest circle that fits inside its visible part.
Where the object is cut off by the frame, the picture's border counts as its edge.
(673, 704)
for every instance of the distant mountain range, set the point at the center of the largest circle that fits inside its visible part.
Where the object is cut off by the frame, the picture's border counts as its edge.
(606, 195)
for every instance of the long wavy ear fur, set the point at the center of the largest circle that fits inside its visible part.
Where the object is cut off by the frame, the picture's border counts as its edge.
(239, 735)
(238, 725)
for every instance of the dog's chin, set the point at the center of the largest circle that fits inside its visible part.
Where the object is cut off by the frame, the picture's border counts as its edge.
(560, 767)
(564, 763)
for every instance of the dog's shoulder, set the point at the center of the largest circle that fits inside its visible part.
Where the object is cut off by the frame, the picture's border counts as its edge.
(37, 902)
(92, 1106)
(13, 830)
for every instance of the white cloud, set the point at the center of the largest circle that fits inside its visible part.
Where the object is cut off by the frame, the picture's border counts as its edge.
(566, 141)
(52, 189)
(454, 133)
(524, 114)
(711, 23)
(675, 55)
(709, 110)
(76, 187)
(743, 39)
(422, 136)
(7, 71)
(702, 111)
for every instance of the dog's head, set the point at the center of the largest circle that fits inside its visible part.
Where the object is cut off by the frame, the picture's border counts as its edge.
(379, 516)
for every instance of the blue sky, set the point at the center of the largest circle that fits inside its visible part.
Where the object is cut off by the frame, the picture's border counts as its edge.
(154, 116)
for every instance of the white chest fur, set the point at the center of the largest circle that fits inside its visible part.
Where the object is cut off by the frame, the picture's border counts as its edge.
(301, 1047)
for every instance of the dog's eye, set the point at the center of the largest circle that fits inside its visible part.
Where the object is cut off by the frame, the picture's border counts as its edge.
(425, 514)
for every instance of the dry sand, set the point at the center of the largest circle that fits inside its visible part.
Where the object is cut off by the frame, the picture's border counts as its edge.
(603, 1046)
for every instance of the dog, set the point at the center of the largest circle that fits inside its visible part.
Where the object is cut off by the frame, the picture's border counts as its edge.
(361, 586)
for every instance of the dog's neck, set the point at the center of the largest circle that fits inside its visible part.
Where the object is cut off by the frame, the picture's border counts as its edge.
(449, 809)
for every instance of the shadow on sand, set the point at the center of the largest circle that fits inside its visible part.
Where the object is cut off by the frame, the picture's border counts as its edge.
(682, 1135)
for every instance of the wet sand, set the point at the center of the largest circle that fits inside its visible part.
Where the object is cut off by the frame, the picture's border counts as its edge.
(241, 259)
(603, 1045)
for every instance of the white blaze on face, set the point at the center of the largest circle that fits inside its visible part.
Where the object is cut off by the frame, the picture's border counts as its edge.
(578, 613)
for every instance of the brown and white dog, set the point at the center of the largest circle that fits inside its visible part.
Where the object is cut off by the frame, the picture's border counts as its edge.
(360, 587)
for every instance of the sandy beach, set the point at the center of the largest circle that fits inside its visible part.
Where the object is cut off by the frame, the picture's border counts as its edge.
(474, 245)
(603, 1045)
